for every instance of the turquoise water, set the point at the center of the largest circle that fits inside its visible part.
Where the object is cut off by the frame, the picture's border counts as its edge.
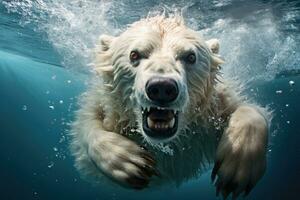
(45, 48)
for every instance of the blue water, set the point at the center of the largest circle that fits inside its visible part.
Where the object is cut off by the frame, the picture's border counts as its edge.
(45, 48)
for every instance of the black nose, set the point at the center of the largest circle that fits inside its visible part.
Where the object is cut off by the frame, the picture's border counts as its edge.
(162, 90)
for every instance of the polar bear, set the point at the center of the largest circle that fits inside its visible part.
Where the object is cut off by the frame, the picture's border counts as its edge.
(158, 111)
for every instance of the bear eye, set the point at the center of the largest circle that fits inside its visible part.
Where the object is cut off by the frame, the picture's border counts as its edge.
(134, 56)
(190, 58)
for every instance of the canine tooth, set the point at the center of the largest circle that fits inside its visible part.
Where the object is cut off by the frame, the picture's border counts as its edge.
(150, 122)
(172, 123)
(148, 109)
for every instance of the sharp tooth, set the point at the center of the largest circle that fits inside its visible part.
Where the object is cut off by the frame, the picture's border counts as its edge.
(172, 123)
(150, 122)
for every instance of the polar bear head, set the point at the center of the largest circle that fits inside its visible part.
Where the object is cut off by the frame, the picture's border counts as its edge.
(161, 71)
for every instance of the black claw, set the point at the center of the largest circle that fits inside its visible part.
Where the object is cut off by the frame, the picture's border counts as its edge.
(215, 170)
(149, 159)
(147, 156)
(149, 171)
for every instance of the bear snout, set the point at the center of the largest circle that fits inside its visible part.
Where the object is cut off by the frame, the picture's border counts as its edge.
(162, 90)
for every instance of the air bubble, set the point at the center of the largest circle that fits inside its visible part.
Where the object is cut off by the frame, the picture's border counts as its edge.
(50, 165)
(24, 107)
(291, 83)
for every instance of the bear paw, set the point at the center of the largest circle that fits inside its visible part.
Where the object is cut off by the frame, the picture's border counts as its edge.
(241, 154)
(122, 160)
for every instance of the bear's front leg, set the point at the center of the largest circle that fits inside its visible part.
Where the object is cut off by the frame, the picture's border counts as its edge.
(241, 152)
(121, 159)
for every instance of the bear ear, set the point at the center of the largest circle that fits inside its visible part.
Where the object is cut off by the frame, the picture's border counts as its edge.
(213, 45)
(105, 42)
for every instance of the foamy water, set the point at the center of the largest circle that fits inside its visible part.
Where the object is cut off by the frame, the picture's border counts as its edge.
(256, 42)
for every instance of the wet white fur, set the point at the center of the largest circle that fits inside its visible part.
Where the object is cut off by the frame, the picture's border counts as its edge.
(216, 124)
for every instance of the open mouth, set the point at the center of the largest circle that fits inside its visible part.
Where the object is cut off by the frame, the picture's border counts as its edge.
(160, 123)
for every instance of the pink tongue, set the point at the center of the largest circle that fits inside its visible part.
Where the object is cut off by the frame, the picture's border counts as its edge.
(160, 115)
